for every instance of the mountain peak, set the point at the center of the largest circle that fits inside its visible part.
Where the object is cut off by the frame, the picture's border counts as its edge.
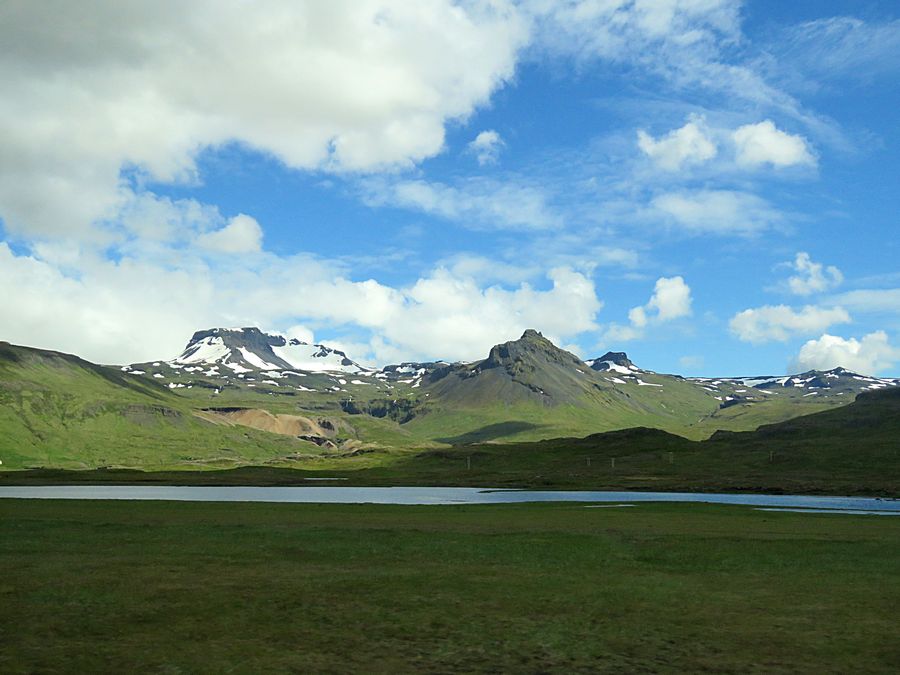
(526, 352)
(617, 361)
(249, 348)
(619, 358)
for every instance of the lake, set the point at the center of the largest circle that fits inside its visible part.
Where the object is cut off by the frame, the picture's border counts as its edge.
(432, 495)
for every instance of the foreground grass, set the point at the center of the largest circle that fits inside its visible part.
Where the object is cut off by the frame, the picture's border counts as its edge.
(188, 587)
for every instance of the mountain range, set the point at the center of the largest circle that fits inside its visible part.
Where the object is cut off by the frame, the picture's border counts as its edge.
(238, 396)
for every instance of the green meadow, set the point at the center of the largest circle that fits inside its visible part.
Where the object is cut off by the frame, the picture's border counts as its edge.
(91, 586)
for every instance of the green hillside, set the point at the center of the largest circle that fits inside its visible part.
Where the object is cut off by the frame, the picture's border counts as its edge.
(529, 414)
(59, 410)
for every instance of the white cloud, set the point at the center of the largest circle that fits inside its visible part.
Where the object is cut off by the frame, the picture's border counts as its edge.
(839, 47)
(300, 332)
(617, 333)
(885, 300)
(870, 355)
(343, 85)
(671, 300)
(687, 44)
(746, 147)
(486, 270)
(780, 322)
(763, 143)
(242, 235)
(716, 211)
(477, 203)
(812, 277)
(486, 147)
(626, 31)
(685, 146)
(138, 309)
(452, 317)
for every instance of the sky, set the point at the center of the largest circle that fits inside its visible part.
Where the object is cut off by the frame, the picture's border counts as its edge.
(712, 186)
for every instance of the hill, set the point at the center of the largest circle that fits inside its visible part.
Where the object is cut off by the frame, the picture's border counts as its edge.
(59, 410)
(853, 449)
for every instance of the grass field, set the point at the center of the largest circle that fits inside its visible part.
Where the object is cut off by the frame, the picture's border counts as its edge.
(187, 587)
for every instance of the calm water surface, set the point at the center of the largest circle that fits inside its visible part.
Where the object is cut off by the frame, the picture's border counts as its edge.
(431, 495)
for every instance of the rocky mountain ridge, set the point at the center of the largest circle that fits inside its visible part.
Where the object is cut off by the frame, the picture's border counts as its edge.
(238, 366)
(249, 354)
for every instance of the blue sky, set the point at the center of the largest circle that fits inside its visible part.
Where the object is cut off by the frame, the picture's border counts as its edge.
(711, 186)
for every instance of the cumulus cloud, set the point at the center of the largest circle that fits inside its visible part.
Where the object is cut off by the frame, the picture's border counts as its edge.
(746, 147)
(136, 309)
(812, 277)
(688, 145)
(780, 322)
(456, 318)
(715, 211)
(486, 147)
(344, 85)
(242, 235)
(764, 143)
(870, 355)
(671, 300)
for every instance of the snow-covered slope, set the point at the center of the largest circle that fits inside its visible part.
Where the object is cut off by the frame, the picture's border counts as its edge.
(249, 349)
(316, 357)
(813, 384)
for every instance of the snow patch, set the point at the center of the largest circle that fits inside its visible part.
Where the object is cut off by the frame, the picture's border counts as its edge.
(255, 360)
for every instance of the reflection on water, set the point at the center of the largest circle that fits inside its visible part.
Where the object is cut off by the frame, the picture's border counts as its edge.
(428, 495)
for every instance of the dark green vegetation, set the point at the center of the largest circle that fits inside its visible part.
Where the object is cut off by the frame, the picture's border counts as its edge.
(188, 587)
(854, 449)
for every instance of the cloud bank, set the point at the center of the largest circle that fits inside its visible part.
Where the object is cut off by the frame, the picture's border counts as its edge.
(871, 354)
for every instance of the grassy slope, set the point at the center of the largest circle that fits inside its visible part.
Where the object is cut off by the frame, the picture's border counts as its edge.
(496, 409)
(182, 587)
(58, 410)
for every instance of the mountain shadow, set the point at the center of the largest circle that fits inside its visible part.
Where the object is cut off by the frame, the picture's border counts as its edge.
(491, 432)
